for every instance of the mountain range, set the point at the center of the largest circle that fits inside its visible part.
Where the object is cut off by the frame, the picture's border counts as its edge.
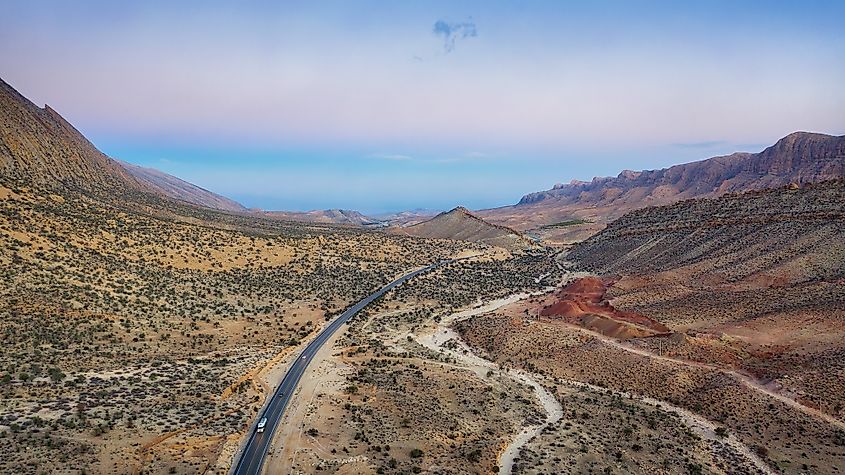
(40, 146)
(800, 157)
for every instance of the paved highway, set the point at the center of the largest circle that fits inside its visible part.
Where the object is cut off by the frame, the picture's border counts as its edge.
(252, 457)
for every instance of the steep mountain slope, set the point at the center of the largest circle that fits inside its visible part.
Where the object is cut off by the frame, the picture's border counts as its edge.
(800, 157)
(173, 187)
(459, 224)
(38, 146)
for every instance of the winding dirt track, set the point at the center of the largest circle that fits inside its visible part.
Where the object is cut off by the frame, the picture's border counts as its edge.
(745, 379)
(470, 361)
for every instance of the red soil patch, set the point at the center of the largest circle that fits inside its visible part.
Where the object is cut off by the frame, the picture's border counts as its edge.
(583, 303)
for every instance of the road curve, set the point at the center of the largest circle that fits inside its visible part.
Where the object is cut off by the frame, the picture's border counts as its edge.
(252, 457)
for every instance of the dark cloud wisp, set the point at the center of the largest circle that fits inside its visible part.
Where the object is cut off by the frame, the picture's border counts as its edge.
(452, 32)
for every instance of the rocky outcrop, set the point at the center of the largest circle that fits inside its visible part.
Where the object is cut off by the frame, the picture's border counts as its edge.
(460, 224)
(800, 157)
(582, 302)
(38, 146)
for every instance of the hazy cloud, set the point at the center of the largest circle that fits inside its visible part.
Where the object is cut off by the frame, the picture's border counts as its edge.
(722, 144)
(391, 156)
(452, 32)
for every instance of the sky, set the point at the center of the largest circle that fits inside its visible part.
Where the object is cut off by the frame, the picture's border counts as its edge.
(382, 106)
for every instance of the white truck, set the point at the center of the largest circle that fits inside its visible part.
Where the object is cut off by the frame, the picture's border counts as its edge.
(261, 424)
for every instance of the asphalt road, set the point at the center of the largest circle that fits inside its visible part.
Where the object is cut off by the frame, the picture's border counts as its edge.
(252, 457)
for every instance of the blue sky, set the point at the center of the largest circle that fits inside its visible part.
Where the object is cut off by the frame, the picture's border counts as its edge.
(382, 106)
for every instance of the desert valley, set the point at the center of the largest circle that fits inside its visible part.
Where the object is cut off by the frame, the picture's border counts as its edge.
(147, 321)
(289, 238)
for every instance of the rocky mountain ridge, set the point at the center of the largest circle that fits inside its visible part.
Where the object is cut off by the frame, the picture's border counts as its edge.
(38, 146)
(174, 187)
(800, 157)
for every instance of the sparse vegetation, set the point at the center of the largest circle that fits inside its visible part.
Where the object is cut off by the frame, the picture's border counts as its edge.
(566, 223)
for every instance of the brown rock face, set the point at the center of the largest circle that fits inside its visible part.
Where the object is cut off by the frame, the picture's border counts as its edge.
(39, 146)
(800, 157)
(583, 303)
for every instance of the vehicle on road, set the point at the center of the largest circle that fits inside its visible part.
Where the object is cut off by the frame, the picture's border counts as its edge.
(255, 450)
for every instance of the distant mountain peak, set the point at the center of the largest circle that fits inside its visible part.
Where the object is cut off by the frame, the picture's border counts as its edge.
(460, 209)
(461, 224)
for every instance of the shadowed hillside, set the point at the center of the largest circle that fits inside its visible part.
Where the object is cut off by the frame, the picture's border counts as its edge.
(790, 234)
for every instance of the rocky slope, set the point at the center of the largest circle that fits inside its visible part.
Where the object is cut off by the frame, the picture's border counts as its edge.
(173, 187)
(38, 146)
(459, 224)
(793, 232)
(755, 280)
(800, 157)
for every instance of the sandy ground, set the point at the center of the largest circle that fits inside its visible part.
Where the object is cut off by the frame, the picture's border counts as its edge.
(746, 380)
(437, 339)
(554, 412)
(324, 375)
